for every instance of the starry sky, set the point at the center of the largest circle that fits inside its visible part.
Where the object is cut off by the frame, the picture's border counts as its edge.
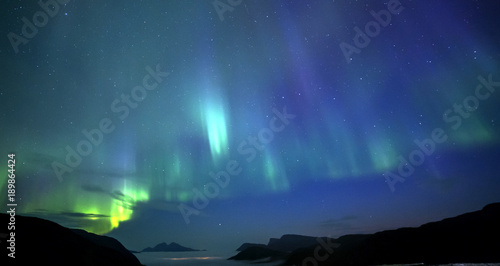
(213, 123)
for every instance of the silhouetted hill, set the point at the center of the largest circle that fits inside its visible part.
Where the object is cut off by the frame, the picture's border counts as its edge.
(164, 247)
(277, 248)
(288, 243)
(468, 238)
(48, 243)
(257, 253)
(247, 245)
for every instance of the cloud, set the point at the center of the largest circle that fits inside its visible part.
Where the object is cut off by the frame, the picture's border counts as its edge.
(159, 205)
(343, 223)
(69, 219)
(116, 194)
(93, 188)
(83, 215)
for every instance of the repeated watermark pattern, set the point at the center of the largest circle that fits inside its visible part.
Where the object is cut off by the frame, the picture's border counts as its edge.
(121, 107)
(221, 7)
(326, 246)
(250, 148)
(372, 29)
(29, 30)
(453, 117)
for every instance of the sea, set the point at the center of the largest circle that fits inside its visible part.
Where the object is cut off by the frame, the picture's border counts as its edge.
(192, 258)
(220, 259)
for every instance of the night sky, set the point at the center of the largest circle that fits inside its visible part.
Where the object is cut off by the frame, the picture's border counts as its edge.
(154, 121)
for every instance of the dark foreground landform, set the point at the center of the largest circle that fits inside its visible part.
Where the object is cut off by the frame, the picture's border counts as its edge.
(42, 242)
(468, 238)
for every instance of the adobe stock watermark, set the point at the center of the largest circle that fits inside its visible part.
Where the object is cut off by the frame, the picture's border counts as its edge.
(372, 29)
(221, 7)
(121, 107)
(453, 117)
(328, 247)
(40, 19)
(249, 148)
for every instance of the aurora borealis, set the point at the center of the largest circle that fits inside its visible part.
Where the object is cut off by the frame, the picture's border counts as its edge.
(168, 96)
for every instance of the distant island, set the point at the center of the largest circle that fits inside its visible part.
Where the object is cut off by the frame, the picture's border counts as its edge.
(172, 247)
(467, 238)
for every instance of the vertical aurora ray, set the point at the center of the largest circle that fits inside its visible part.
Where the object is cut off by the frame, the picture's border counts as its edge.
(214, 121)
(166, 172)
(342, 158)
(178, 180)
(124, 202)
(274, 173)
(381, 153)
(472, 132)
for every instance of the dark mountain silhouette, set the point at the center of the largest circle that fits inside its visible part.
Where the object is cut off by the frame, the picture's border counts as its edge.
(467, 238)
(164, 247)
(48, 243)
(277, 248)
(247, 245)
(258, 252)
(288, 243)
